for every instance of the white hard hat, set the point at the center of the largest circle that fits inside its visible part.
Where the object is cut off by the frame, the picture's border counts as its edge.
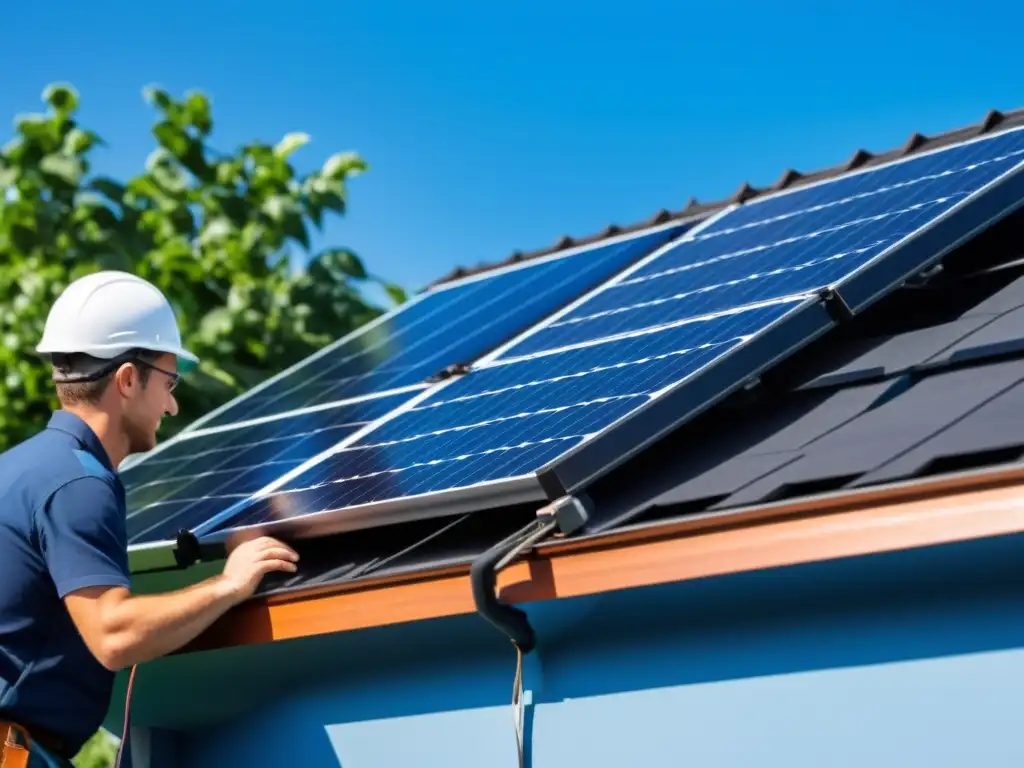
(109, 313)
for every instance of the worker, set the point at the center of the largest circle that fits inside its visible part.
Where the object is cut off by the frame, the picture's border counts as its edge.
(68, 618)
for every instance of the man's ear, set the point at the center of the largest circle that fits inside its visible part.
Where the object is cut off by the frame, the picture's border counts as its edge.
(127, 379)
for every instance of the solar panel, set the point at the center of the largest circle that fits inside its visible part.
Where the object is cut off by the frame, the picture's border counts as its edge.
(452, 323)
(789, 244)
(683, 328)
(207, 470)
(242, 447)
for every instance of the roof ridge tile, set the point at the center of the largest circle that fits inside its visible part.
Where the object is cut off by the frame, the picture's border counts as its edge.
(744, 193)
(914, 142)
(992, 118)
(660, 217)
(565, 241)
(859, 158)
(789, 176)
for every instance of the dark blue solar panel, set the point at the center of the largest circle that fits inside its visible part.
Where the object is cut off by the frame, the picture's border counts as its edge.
(788, 244)
(508, 420)
(568, 400)
(450, 325)
(918, 180)
(205, 472)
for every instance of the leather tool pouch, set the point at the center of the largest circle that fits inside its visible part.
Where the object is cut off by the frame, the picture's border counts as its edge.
(15, 746)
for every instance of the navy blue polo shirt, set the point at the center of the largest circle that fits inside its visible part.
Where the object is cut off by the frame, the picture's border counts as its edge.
(62, 528)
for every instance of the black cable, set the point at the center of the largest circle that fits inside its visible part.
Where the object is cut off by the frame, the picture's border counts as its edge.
(510, 620)
(378, 563)
(528, 541)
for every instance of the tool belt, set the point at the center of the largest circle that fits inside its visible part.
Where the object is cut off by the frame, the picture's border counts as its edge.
(15, 744)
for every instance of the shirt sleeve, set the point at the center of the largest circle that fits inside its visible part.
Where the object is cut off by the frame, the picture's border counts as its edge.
(83, 537)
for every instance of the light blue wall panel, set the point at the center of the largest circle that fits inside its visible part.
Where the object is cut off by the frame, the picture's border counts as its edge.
(906, 659)
(477, 737)
(955, 711)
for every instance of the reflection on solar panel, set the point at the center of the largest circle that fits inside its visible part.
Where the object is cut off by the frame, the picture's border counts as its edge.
(451, 324)
(686, 326)
(204, 472)
(224, 459)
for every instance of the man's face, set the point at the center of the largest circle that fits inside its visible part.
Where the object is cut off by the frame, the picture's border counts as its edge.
(145, 406)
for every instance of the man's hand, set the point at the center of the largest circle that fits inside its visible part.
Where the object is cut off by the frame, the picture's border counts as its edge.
(121, 629)
(249, 561)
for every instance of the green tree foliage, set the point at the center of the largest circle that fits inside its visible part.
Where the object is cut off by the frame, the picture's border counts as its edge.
(213, 230)
(98, 752)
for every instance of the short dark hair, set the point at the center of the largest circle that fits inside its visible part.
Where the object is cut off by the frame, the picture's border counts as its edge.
(75, 386)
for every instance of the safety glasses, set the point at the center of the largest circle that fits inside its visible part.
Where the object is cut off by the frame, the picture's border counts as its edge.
(173, 376)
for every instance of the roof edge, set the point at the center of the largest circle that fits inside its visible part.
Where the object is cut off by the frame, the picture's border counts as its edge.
(905, 516)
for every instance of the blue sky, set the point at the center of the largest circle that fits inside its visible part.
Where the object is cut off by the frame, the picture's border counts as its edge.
(494, 126)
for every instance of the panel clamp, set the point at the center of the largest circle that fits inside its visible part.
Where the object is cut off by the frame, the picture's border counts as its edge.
(925, 277)
(455, 369)
(188, 551)
(564, 517)
(569, 513)
(835, 305)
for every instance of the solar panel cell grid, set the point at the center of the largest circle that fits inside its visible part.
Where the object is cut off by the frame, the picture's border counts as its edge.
(958, 169)
(179, 486)
(451, 325)
(162, 521)
(508, 419)
(790, 244)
